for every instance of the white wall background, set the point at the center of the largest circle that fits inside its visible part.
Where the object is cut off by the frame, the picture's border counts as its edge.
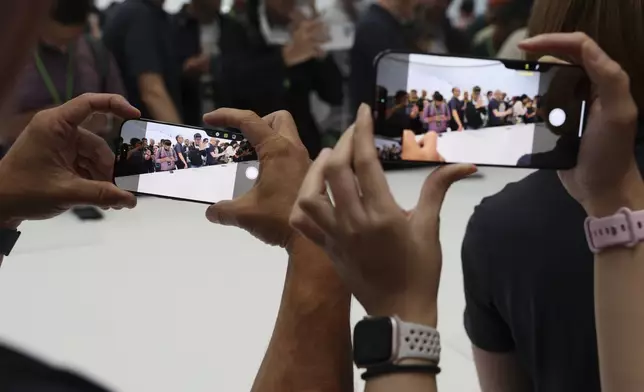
(436, 73)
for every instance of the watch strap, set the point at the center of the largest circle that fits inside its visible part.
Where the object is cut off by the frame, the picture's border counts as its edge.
(416, 341)
(625, 228)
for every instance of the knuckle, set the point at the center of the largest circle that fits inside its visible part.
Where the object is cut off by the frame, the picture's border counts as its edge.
(581, 36)
(362, 162)
(285, 115)
(87, 96)
(615, 72)
(332, 167)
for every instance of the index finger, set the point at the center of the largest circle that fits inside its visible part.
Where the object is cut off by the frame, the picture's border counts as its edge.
(76, 111)
(612, 82)
(366, 164)
(254, 128)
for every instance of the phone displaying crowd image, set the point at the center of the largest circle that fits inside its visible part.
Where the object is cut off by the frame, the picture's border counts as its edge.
(436, 108)
(184, 163)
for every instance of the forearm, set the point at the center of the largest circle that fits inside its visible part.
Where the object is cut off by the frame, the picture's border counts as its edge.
(160, 105)
(310, 349)
(411, 382)
(619, 314)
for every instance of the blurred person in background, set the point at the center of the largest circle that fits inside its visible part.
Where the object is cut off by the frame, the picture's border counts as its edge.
(139, 33)
(434, 30)
(265, 78)
(528, 273)
(505, 17)
(201, 35)
(66, 63)
(383, 26)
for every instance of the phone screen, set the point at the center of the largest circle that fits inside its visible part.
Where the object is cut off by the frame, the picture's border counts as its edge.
(184, 163)
(434, 108)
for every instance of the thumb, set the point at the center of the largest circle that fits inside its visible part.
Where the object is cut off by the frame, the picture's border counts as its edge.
(435, 188)
(430, 142)
(228, 212)
(99, 194)
(409, 143)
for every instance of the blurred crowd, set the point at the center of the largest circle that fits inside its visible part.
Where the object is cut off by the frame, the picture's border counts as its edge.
(176, 67)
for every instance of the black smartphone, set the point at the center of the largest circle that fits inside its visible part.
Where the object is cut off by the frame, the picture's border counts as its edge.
(87, 213)
(508, 113)
(184, 163)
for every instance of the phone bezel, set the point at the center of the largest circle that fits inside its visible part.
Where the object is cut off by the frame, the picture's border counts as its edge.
(236, 132)
(516, 64)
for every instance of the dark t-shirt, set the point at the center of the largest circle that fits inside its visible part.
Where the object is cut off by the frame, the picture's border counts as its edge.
(494, 121)
(528, 277)
(195, 154)
(456, 104)
(139, 34)
(209, 158)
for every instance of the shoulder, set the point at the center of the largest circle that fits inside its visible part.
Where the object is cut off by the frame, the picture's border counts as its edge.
(522, 208)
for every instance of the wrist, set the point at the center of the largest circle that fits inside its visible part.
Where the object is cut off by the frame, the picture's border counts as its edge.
(631, 197)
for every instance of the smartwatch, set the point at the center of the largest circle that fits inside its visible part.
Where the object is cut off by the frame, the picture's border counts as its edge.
(8, 239)
(379, 341)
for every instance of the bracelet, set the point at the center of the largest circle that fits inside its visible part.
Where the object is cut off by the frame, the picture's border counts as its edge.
(382, 370)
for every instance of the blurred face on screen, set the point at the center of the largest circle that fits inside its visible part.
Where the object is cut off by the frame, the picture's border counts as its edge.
(179, 140)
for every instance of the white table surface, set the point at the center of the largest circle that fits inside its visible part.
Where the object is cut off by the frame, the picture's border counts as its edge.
(158, 299)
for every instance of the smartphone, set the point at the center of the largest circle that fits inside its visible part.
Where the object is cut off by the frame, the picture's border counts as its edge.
(508, 113)
(184, 163)
(87, 213)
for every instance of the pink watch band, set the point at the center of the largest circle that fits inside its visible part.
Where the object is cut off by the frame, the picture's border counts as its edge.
(625, 228)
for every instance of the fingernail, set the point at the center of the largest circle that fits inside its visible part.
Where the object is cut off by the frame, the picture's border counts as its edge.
(364, 110)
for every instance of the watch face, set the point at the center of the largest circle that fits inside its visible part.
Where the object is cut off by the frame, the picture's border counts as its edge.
(372, 342)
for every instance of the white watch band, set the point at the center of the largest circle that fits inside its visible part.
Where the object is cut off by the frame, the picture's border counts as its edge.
(416, 341)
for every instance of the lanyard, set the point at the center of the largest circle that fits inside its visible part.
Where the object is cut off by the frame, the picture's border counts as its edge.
(42, 70)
